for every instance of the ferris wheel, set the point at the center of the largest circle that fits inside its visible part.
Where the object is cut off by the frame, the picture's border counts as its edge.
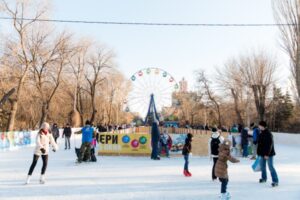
(147, 82)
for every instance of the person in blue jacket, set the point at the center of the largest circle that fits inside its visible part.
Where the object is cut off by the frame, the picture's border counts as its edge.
(255, 133)
(87, 137)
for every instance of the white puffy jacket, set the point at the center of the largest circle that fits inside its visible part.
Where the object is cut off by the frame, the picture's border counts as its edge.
(43, 141)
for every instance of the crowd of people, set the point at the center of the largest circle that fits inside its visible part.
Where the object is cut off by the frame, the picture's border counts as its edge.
(262, 144)
(220, 149)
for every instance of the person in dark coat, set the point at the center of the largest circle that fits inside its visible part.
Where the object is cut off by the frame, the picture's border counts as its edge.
(265, 149)
(245, 142)
(186, 151)
(67, 135)
(155, 140)
(55, 132)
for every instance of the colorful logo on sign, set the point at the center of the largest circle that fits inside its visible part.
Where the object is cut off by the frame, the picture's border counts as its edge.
(125, 139)
(135, 143)
(143, 140)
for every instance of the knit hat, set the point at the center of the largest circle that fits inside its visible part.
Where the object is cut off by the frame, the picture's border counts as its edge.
(263, 124)
(214, 130)
(189, 135)
(45, 126)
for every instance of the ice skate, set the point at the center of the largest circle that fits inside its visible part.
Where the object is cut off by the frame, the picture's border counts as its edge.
(188, 173)
(262, 180)
(274, 184)
(185, 173)
(225, 196)
(27, 180)
(42, 179)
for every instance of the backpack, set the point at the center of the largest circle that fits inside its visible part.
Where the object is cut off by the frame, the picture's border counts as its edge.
(214, 145)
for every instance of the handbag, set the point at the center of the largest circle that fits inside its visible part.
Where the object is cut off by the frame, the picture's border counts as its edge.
(256, 165)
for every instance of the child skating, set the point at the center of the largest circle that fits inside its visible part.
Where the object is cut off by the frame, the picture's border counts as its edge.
(221, 167)
(187, 149)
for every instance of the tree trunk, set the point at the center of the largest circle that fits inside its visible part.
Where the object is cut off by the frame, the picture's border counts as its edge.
(219, 115)
(259, 98)
(14, 107)
(80, 106)
(236, 107)
(12, 116)
(45, 111)
(297, 64)
(6, 97)
(94, 110)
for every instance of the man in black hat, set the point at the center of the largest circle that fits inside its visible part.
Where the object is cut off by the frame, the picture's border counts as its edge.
(265, 149)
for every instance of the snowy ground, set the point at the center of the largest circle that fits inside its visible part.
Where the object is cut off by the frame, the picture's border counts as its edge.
(116, 178)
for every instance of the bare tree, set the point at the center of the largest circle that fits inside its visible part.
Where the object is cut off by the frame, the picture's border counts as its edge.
(288, 12)
(50, 58)
(99, 63)
(78, 63)
(258, 71)
(230, 79)
(17, 53)
(205, 86)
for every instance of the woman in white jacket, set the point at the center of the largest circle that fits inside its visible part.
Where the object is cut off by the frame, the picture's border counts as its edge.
(43, 139)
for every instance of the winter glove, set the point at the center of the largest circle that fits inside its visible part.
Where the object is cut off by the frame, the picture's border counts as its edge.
(43, 150)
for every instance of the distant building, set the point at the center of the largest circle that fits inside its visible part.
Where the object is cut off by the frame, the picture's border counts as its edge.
(183, 85)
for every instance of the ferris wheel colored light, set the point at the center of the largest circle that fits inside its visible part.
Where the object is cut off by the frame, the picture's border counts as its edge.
(149, 81)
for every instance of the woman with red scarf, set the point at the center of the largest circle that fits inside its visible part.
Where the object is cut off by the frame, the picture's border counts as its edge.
(43, 139)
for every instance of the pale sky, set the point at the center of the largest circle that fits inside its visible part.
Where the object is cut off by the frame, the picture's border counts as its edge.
(178, 50)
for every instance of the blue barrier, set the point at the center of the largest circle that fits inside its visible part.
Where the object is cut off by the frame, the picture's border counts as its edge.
(16, 139)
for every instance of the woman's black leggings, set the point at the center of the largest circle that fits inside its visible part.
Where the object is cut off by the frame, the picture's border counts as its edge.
(35, 159)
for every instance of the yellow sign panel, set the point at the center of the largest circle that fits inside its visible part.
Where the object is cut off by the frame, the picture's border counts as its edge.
(117, 143)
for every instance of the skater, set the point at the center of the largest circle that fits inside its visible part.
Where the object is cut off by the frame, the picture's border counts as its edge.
(245, 142)
(155, 140)
(87, 136)
(213, 148)
(55, 132)
(186, 151)
(93, 148)
(255, 134)
(265, 149)
(67, 135)
(164, 143)
(221, 167)
(43, 139)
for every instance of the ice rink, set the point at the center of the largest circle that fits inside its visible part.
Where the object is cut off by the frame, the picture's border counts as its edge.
(116, 178)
